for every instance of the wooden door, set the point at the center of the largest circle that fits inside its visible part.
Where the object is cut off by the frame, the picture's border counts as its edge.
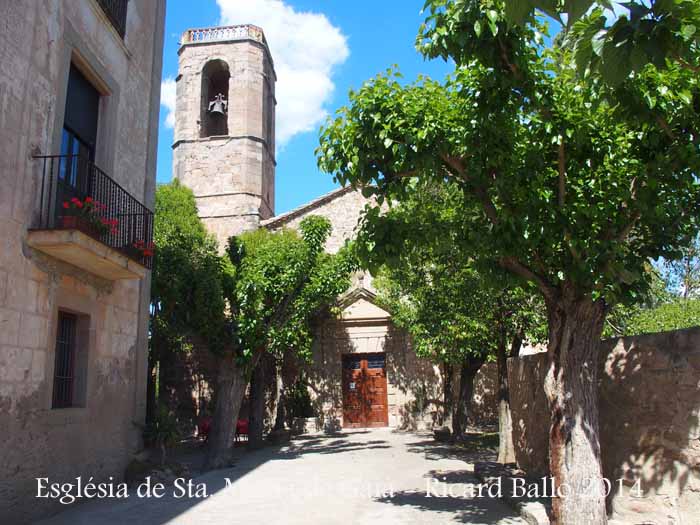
(365, 391)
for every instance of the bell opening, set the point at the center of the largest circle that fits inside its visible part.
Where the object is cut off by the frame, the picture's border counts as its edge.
(215, 91)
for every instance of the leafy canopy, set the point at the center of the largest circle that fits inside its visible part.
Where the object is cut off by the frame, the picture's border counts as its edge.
(277, 281)
(433, 289)
(563, 185)
(615, 38)
(186, 288)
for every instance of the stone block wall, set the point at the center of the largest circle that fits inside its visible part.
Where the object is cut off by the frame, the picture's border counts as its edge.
(38, 42)
(484, 409)
(232, 176)
(649, 395)
(343, 207)
(414, 386)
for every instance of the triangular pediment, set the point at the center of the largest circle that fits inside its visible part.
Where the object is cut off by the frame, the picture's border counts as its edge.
(360, 304)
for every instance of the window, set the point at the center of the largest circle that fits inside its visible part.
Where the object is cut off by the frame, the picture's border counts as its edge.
(80, 120)
(116, 12)
(353, 363)
(64, 369)
(79, 137)
(70, 363)
(375, 361)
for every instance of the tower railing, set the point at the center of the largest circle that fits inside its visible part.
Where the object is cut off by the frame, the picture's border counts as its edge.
(237, 32)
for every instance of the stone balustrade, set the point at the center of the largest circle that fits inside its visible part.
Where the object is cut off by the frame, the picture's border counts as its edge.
(237, 32)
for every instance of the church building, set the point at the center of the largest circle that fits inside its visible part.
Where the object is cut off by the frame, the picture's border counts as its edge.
(364, 372)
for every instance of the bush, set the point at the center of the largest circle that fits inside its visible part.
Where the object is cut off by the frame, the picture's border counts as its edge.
(299, 400)
(676, 315)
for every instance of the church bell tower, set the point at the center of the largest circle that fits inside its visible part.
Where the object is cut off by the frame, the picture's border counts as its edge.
(224, 148)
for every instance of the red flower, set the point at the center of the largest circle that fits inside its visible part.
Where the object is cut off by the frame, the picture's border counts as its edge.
(148, 253)
(78, 204)
(74, 200)
(88, 199)
(66, 205)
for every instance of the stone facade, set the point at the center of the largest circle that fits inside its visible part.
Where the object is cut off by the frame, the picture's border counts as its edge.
(649, 395)
(96, 437)
(342, 207)
(232, 175)
(414, 385)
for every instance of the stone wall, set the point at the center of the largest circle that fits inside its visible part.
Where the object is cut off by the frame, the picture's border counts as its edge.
(414, 386)
(343, 207)
(649, 394)
(484, 409)
(38, 41)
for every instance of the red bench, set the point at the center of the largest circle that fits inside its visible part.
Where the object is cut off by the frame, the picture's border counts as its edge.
(241, 429)
(204, 427)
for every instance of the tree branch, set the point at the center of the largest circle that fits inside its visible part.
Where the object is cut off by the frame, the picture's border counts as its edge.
(489, 209)
(515, 266)
(667, 129)
(562, 174)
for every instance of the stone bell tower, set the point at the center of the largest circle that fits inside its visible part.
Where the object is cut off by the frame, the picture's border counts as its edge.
(224, 147)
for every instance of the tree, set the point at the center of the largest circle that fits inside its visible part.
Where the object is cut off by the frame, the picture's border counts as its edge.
(683, 275)
(186, 289)
(573, 191)
(455, 313)
(615, 38)
(274, 283)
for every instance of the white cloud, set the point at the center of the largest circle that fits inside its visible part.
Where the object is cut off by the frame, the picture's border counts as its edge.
(167, 99)
(305, 47)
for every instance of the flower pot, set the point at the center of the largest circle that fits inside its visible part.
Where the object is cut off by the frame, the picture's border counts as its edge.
(69, 222)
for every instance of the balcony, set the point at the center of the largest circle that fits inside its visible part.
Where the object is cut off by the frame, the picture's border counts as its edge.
(90, 221)
(116, 13)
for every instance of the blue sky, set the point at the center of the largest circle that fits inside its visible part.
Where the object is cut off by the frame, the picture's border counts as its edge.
(324, 49)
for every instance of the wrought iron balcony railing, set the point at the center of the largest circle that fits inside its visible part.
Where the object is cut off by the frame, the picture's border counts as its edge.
(77, 195)
(116, 12)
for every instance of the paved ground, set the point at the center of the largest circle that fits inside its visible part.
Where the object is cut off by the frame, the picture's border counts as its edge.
(356, 477)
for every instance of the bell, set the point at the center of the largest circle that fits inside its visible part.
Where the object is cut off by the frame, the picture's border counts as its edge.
(218, 106)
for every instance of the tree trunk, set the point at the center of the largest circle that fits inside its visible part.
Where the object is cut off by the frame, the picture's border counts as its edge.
(279, 399)
(448, 373)
(506, 448)
(230, 389)
(152, 378)
(151, 389)
(256, 418)
(470, 367)
(571, 386)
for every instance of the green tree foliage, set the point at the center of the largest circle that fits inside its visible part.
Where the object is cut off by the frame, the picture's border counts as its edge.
(431, 284)
(573, 184)
(187, 288)
(273, 283)
(281, 280)
(616, 38)
(683, 275)
(674, 315)
(186, 291)
(455, 313)
(618, 320)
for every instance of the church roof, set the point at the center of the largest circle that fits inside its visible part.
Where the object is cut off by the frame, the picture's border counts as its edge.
(283, 218)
